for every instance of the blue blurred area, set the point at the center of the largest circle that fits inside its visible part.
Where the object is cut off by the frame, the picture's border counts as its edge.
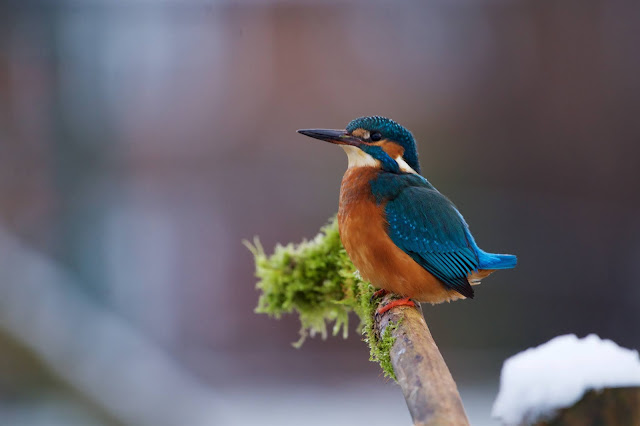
(140, 142)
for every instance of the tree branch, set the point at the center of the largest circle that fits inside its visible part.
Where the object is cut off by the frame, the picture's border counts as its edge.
(429, 390)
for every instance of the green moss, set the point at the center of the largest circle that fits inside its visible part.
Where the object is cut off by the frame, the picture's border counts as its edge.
(316, 280)
(381, 351)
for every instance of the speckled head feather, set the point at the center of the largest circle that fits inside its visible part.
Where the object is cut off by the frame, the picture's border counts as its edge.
(392, 131)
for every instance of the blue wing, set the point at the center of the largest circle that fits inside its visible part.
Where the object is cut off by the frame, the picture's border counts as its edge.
(428, 227)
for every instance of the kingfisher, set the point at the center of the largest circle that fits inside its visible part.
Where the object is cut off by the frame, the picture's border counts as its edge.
(400, 232)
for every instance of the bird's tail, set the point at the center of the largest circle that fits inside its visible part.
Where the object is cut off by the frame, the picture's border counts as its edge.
(496, 261)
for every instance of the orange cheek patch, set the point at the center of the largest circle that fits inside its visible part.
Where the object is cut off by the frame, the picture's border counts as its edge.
(392, 149)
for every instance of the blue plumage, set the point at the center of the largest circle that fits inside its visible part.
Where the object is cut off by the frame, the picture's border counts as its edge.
(428, 227)
(496, 261)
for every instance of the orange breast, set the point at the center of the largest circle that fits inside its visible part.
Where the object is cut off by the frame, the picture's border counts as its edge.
(363, 231)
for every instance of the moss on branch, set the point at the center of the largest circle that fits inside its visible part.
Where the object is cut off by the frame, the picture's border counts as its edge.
(317, 280)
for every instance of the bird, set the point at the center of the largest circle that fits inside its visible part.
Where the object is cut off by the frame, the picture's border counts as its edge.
(400, 232)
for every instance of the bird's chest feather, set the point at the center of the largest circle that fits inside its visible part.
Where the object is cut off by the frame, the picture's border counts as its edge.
(362, 221)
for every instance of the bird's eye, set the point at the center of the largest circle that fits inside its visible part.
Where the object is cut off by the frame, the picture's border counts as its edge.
(376, 136)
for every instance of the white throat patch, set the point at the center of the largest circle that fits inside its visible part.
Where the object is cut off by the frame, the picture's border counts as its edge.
(359, 158)
(404, 166)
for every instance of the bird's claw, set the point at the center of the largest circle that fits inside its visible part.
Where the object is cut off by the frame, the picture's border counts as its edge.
(399, 302)
(377, 294)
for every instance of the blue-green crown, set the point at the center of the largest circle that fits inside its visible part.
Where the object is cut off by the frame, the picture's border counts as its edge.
(392, 131)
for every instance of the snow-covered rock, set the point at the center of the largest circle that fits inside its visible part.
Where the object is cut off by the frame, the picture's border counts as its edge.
(537, 382)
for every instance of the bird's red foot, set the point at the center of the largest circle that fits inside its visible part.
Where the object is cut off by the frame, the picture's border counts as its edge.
(400, 302)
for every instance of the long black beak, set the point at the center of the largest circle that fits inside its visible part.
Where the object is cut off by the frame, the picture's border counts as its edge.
(340, 137)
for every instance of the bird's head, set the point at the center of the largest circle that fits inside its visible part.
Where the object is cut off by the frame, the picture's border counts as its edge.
(374, 141)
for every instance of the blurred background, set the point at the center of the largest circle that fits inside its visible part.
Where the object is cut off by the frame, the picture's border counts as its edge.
(142, 141)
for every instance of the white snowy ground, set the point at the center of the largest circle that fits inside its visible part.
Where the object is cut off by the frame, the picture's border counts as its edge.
(538, 381)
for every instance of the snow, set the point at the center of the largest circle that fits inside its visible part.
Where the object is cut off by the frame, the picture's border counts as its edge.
(556, 374)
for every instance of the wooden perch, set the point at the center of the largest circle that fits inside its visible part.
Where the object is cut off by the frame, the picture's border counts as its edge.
(431, 394)
(612, 406)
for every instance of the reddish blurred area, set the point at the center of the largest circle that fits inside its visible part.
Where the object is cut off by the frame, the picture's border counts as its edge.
(141, 142)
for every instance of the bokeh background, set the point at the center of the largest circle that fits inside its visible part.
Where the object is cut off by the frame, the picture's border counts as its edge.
(142, 141)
